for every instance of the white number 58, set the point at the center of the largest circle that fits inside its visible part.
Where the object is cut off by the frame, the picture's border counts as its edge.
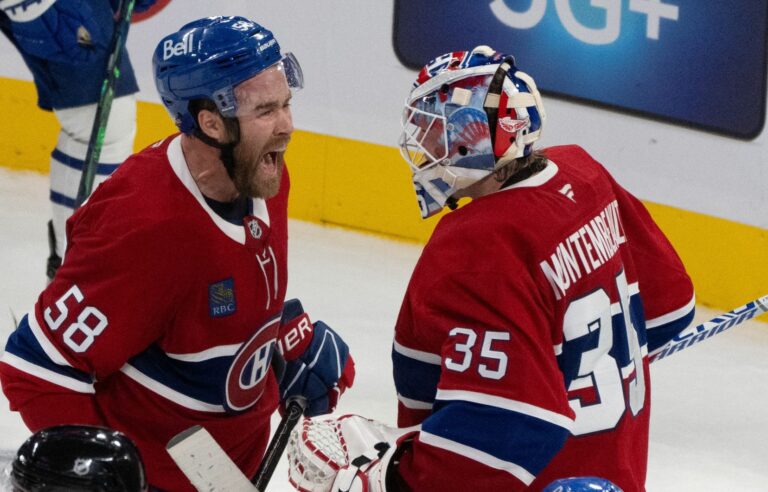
(84, 325)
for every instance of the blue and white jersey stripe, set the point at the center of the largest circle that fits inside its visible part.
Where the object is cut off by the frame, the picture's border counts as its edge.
(416, 376)
(28, 350)
(663, 328)
(506, 434)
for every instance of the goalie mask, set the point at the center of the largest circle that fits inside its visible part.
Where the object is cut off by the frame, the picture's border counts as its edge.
(468, 114)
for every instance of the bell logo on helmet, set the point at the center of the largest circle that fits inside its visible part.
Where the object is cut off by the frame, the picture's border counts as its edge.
(183, 47)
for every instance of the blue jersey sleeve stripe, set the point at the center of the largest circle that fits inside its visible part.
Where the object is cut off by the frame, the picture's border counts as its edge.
(30, 321)
(662, 329)
(661, 335)
(477, 455)
(25, 345)
(46, 374)
(507, 435)
(555, 418)
(415, 379)
(168, 392)
(196, 380)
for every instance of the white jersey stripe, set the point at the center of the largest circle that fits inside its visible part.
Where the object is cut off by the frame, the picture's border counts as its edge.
(46, 374)
(507, 404)
(427, 357)
(414, 404)
(168, 393)
(672, 316)
(50, 350)
(476, 455)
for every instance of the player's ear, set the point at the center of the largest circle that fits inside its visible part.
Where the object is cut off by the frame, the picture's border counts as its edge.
(212, 124)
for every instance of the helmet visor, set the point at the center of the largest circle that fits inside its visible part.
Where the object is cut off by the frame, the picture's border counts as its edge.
(423, 141)
(293, 74)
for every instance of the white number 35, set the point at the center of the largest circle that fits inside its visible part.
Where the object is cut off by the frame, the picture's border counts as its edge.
(467, 339)
(90, 322)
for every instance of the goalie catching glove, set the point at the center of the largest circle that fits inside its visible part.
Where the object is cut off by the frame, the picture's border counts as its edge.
(318, 366)
(350, 453)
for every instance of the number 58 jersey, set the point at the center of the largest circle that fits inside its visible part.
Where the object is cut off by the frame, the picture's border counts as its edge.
(522, 342)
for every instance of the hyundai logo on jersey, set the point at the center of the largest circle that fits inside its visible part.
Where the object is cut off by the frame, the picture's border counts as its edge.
(700, 64)
(221, 298)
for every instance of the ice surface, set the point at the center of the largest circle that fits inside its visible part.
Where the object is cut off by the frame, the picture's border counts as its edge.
(709, 430)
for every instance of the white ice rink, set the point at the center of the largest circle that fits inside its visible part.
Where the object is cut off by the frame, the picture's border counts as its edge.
(709, 430)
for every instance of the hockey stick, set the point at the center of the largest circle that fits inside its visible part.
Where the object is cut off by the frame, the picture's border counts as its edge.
(105, 101)
(208, 467)
(293, 412)
(718, 324)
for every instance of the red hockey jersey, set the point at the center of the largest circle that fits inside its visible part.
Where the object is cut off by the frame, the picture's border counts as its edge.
(522, 342)
(163, 316)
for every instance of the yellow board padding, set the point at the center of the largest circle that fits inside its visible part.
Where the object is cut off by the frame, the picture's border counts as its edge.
(367, 187)
(28, 133)
(727, 261)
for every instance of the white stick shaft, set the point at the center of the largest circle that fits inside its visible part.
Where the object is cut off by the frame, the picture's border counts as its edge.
(693, 335)
(205, 464)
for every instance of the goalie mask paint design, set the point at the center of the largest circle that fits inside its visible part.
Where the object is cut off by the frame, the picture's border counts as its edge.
(468, 114)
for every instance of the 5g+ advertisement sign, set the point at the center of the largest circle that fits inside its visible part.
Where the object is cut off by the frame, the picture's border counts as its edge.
(697, 63)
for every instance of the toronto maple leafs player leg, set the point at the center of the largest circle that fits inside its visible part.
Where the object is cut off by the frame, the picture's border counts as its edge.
(521, 350)
(64, 43)
(128, 335)
(76, 458)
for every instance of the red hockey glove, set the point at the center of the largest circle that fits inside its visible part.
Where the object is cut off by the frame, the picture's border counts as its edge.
(318, 364)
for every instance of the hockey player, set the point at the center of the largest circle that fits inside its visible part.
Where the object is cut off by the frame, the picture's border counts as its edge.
(64, 43)
(521, 348)
(77, 458)
(167, 307)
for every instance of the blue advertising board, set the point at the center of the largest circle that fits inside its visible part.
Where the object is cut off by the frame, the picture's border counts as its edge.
(700, 63)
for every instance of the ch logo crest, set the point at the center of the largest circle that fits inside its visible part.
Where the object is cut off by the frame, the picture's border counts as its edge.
(246, 377)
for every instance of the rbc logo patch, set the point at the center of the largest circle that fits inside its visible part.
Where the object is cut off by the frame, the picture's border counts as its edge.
(221, 298)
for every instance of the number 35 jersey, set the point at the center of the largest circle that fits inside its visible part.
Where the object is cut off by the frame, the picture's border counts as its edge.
(162, 316)
(522, 342)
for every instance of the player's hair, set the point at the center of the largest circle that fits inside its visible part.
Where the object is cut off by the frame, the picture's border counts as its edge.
(534, 161)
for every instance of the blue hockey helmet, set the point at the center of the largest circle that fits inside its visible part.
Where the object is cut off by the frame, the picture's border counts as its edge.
(468, 114)
(582, 484)
(209, 57)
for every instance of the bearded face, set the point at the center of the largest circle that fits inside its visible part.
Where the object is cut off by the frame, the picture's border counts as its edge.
(266, 125)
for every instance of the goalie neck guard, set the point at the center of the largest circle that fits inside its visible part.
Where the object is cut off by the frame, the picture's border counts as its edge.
(469, 113)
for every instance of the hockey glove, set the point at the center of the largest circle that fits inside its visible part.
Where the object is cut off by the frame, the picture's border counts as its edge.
(350, 453)
(57, 30)
(318, 365)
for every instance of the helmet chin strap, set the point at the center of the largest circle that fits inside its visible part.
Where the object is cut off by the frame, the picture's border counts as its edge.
(226, 150)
